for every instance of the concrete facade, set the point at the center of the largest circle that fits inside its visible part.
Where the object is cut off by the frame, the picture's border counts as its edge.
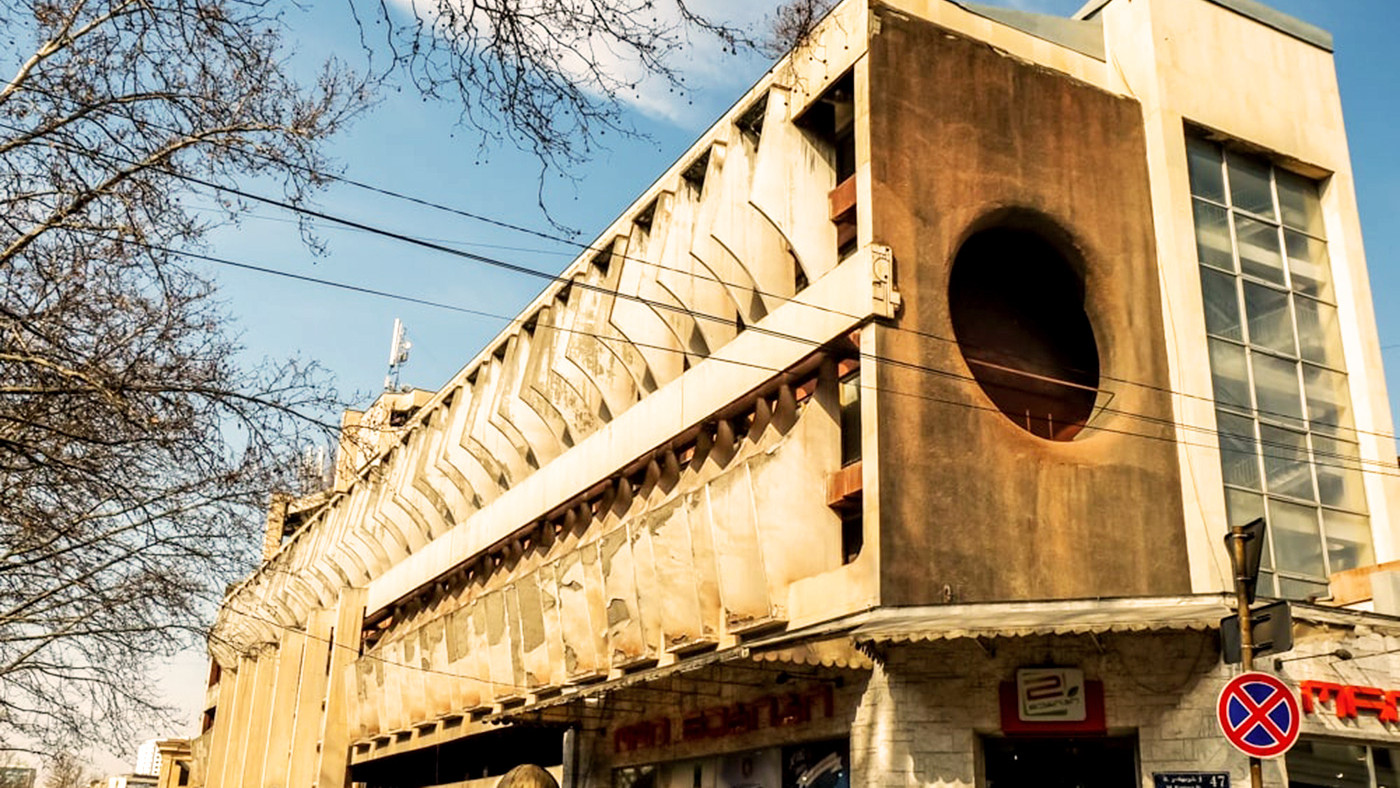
(896, 385)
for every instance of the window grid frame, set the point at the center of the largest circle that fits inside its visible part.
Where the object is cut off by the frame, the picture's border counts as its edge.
(1259, 418)
(1371, 747)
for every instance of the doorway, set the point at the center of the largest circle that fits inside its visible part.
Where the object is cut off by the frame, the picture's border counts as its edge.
(1099, 762)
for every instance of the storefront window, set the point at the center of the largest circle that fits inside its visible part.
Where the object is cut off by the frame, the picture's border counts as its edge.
(822, 764)
(1322, 764)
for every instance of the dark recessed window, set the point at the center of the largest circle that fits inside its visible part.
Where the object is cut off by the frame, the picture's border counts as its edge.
(1018, 311)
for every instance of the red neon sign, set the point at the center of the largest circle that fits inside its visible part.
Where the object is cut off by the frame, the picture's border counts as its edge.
(1349, 700)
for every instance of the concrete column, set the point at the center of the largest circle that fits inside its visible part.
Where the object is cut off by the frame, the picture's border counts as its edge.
(174, 758)
(332, 768)
(310, 694)
(283, 711)
(259, 722)
(223, 716)
(229, 776)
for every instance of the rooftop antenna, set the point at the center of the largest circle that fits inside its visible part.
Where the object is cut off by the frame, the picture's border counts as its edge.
(398, 356)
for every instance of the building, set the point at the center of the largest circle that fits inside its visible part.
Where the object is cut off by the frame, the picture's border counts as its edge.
(889, 438)
(148, 758)
(17, 776)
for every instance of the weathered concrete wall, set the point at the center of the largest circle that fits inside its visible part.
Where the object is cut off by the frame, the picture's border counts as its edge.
(969, 500)
(703, 544)
(925, 708)
(734, 232)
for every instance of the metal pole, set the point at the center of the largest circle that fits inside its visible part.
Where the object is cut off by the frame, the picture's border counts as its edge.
(1237, 538)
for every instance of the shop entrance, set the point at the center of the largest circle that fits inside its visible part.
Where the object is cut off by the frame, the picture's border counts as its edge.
(1105, 762)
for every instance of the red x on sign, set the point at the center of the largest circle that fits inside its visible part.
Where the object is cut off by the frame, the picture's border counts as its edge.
(1259, 715)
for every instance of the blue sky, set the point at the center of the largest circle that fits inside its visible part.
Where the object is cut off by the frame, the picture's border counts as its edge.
(414, 147)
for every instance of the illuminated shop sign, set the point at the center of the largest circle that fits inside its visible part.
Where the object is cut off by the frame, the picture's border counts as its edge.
(1054, 701)
(770, 711)
(1349, 701)
(1050, 694)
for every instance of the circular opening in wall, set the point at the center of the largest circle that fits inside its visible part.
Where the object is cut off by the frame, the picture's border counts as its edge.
(1018, 311)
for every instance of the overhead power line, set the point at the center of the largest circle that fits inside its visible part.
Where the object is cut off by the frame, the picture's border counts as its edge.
(1346, 462)
(525, 270)
(363, 227)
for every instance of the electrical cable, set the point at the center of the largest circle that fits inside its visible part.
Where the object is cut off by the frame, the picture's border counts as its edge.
(912, 366)
(563, 279)
(517, 268)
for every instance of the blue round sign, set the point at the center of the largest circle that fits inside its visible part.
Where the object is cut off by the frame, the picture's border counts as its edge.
(1259, 715)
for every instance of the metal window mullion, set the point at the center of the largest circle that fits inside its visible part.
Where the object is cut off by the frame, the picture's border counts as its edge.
(1317, 506)
(1282, 239)
(1244, 331)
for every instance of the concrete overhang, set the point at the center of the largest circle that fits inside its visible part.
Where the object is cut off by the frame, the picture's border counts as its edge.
(1197, 612)
(1021, 619)
(1083, 35)
(1252, 9)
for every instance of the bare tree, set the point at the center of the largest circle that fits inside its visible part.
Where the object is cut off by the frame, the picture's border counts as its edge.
(549, 76)
(135, 451)
(792, 24)
(67, 770)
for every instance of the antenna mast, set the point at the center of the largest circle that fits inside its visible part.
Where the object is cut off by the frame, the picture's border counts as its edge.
(398, 356)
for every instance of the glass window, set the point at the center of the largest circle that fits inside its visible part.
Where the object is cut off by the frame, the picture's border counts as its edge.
(1276, 386)
(1387, 767)
(1321, 337)
(1250, 188)
(1297, 541)
(1348, 540)
(1203, 162)
(1329, 401)
(1242, 508)
(1316, 763)
(1286, 467)
(848, 396)
(1339, 473)
(1322, 763)
(1307, 262)
(1222, 305)
(1265, 586)
(1270, 321)
(1286, 425)
(1292, 588)
(1259, 252)
(1213, 236)
(1239, 453)
(1298, 202)
(1231, 374)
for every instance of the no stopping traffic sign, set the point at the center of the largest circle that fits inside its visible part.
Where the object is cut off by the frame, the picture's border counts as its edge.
(1259, 715)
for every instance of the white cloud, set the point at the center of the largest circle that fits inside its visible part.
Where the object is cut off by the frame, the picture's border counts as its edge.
(711, 74)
